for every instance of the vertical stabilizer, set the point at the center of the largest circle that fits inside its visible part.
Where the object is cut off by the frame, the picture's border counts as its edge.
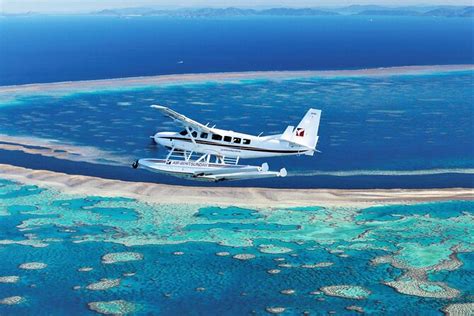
(306, 133)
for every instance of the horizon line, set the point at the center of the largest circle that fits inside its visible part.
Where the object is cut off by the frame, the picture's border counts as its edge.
(4, 11)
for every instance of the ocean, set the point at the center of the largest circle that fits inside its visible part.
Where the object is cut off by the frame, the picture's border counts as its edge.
(83, 254)
(393, 131)
(53, 48)
(69, 254)
(412, 130)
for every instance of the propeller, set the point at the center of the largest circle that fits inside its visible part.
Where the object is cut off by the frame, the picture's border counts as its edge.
(135, 164)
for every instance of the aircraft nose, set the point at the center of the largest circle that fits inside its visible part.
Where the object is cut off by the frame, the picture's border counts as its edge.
(162, 137)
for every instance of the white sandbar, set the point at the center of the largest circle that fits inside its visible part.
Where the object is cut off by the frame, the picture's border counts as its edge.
(147, 81)
(257, 197)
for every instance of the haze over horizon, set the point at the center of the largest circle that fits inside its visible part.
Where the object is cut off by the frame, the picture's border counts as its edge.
(84, 6)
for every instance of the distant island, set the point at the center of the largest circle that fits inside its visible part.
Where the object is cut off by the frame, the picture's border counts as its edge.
(372, 10)
(362, 10)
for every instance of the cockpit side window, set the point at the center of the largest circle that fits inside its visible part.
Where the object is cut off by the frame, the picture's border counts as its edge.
(204, 135)
(216, 137)
(183, 133)
(195, 134)
(246, 142)
(227, 138)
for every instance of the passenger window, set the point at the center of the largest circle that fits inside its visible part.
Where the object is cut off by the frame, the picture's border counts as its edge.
(216, 137)
(204, 135)
(227, 138)
(237, 140)
(246, 141)
(185, 132)
(195, 134)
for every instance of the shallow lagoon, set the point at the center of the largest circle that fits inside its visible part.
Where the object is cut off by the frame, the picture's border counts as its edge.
(151, 258)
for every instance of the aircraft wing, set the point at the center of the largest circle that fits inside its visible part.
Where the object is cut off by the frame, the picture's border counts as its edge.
(185, 121)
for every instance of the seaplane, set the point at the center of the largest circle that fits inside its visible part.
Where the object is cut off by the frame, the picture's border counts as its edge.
(202, 152)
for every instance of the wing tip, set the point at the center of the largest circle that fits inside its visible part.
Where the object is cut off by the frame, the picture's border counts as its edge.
(156, 106)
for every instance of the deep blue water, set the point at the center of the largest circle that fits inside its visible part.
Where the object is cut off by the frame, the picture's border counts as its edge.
(49, 48)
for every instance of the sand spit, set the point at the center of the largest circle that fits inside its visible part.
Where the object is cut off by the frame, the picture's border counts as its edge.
(218, 76)
(264, 197)
(134, 82)
(56, 149)
(12, 300)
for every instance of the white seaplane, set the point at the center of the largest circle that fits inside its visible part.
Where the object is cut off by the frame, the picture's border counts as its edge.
(207, 153)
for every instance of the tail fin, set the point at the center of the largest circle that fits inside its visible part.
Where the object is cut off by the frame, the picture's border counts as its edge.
(306, 133)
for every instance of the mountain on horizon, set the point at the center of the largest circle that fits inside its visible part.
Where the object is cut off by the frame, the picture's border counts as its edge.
(362, 10)
(373, 10)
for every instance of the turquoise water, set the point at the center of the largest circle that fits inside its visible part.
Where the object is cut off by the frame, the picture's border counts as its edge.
(175, 259)
(418, 126)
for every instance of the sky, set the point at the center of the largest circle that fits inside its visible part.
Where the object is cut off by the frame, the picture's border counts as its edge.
(81, 6)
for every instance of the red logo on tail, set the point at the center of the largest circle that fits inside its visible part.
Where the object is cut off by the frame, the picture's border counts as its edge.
(300, 132)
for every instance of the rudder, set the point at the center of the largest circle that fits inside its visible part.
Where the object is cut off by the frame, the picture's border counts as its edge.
(306, 133)
(308, 128)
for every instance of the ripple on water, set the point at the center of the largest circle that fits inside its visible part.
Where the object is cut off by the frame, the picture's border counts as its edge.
(116, 307)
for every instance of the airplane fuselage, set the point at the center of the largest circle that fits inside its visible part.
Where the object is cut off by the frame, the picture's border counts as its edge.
(229, 144)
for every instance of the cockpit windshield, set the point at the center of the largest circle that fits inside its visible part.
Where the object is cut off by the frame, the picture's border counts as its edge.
(183, 133)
